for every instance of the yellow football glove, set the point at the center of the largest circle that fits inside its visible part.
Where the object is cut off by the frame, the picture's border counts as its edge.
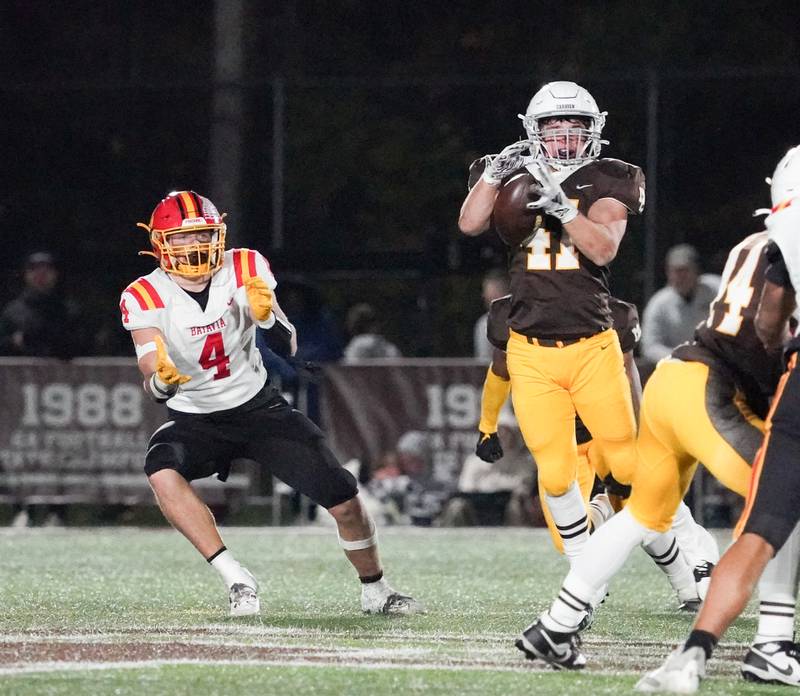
(260, 298)
(166, 372)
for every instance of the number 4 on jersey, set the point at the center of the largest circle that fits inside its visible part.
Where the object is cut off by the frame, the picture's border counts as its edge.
(213, 355)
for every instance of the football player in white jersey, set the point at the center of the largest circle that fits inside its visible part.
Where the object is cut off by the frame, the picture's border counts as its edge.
(768, 532)
(193, 322)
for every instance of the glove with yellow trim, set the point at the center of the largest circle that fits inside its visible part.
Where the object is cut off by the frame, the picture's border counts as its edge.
(166, 379)
(259, 296)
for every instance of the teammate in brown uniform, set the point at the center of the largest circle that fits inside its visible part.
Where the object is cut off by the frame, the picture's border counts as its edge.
(768, 543)
(704, 403)
(563, 356)
(698, 549)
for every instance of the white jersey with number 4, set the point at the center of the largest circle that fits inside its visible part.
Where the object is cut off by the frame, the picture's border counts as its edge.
(216, 347)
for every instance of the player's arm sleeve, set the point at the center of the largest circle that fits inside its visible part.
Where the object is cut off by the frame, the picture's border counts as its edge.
(495, 392)
(624, 183)
(281, 337)
(135, 312)
(777, 272)
(264, 271)
(497, 322)
(626, 324)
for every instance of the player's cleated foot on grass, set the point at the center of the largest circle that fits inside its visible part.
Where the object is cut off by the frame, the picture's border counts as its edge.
(702, 577)
(680, 674)
(243, 600)
(776, 662)
(690, 606)
(391, 603)
(559, 650)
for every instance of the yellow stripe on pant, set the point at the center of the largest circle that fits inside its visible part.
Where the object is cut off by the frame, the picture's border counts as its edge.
(548, 386)
(676, 431)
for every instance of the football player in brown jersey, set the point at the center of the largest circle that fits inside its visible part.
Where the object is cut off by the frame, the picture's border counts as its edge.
(563, 355)
(699, 405)
(768, 533)
(697, 546)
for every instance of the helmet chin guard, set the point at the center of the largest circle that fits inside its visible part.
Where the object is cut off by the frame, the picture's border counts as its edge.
(566, 100)
(180, 213)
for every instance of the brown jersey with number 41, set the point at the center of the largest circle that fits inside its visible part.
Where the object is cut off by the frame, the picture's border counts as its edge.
(727, 340)
(556, 291)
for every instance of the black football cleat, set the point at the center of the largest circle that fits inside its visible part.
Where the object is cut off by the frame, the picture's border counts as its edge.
(559, 650)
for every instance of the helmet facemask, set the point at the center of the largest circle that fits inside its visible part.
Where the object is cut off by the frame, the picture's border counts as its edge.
(583, 143)
(190, 259)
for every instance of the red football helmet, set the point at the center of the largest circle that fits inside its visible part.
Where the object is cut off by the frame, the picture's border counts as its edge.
(186, 213)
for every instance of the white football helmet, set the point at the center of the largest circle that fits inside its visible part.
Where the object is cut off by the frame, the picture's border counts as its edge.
(785, 182)
(573, 101)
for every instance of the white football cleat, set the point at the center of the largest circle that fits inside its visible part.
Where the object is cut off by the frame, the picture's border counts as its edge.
(680, 674)
(775, 663)
(380, 598)
(243, 595)
(243, 600)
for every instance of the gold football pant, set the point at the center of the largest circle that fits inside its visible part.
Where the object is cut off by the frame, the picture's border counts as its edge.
(689, 413)
(548, 385)
(585, 483)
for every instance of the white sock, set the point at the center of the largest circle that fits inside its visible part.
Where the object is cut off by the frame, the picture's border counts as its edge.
(685, 530)
(777, 592)
(569, 516)
(667, 555)
(605, 553)
(600, 511)
(379, 588)
(230, 570)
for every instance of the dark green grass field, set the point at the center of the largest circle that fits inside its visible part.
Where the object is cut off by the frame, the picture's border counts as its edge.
(128, 611)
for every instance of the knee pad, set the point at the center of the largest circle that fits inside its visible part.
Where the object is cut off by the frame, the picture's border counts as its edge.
(164, 455)
(556, 480)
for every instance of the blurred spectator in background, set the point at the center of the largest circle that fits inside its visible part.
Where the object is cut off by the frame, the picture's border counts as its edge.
(366, 339)
(495, 285)
(672, 313)
(404, 483)
(41, 321)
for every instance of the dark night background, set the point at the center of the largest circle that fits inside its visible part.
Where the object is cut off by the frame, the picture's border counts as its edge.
(108, 105)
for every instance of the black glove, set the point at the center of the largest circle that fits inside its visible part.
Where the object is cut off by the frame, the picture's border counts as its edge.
(489, 448)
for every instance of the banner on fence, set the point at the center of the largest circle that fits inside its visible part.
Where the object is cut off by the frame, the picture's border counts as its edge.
(369, 410)
(74, 429)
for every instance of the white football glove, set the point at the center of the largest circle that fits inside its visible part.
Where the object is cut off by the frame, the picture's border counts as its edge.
(508, 160)
(552, 199)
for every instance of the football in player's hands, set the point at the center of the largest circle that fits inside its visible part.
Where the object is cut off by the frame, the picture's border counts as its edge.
(489, 448)
(511, 218)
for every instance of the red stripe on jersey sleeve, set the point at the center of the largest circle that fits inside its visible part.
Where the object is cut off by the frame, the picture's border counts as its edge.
(251, 263)
(133, 290)
(237, 267)
(154, 296)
